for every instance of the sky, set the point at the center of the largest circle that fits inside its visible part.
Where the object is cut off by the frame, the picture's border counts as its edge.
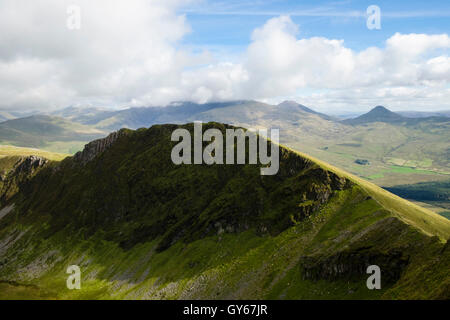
(115, 53)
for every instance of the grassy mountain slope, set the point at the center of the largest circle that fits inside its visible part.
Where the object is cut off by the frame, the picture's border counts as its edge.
(11, 151)
(46, 132)
(12, 157)
(417, 216)
(142, 228)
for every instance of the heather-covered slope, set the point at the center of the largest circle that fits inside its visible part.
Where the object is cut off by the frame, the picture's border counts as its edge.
(141, 227)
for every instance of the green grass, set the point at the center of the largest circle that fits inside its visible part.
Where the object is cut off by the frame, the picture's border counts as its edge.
(227, 266)
(406, 170)
(8, 151)
(376, 176)
(12, 291)
(423, 219)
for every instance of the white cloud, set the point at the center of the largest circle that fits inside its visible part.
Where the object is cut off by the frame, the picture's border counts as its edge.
(411, 71)
(122, 50)
(131, 54)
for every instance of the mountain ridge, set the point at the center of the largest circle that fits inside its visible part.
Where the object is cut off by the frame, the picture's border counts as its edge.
(140, 227)
(398, 152)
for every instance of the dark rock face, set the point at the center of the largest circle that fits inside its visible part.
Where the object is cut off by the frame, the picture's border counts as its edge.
(23, 170)
(353, 264)
(370, 247)
(29, 164)
(96, 147)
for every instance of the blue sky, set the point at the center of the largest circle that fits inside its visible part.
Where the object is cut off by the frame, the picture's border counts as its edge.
(227, 25)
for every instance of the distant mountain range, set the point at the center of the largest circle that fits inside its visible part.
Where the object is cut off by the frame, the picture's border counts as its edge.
(419, 114)
(183, 112)
(381, 114)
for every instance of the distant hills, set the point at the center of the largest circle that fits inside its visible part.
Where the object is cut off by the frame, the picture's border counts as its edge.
(419, 114)
(377, 114)
(382, 114)
(47, 132)
(182, 112)
(140, 227)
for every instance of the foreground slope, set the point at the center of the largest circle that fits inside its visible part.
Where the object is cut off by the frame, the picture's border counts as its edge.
(140, 227)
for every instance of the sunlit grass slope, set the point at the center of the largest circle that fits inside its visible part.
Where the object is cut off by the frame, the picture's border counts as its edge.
(8, 151)
(425, 220)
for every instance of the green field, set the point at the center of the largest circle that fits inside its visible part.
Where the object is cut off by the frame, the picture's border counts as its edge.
(9, 151)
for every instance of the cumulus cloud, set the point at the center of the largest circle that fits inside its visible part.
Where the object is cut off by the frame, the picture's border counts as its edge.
(283, 62)
(411, 71)
(130, 53)
(122, 51)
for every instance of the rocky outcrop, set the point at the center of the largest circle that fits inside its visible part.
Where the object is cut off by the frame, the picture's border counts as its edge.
(23, 170)
(353, 264)
(386, 243)
(29, 165)
(96, 147)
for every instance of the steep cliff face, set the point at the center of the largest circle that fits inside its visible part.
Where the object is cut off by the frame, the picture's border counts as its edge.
(29, 165)
(96, 147)
(23, 170)
(140, 226)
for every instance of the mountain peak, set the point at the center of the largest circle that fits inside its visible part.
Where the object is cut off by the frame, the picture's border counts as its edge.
(291, 103)
(381, 109)
(377, 114)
